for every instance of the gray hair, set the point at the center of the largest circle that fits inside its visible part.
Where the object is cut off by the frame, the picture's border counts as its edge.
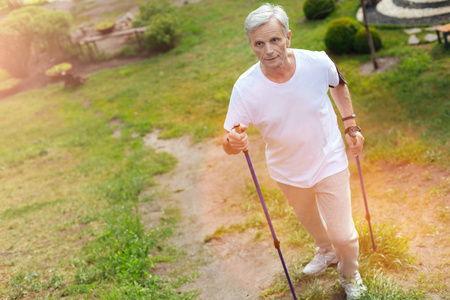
(262, 15)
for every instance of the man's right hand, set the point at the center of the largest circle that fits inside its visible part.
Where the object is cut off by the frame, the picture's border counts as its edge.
(236, 140)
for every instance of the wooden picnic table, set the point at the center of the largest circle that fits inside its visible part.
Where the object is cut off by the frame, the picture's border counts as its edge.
(445, 31)
(91, 40)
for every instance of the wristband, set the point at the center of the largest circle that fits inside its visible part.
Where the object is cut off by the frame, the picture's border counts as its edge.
(352, 116)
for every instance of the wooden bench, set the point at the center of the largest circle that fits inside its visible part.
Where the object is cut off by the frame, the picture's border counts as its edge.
(445, 31)
(91, 40)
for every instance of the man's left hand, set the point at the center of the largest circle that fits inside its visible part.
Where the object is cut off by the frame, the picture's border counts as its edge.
(355, 144)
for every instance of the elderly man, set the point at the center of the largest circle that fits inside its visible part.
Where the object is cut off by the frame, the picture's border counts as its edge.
(284, 95)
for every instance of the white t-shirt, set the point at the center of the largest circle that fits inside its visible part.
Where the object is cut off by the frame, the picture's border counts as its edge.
(296, 118)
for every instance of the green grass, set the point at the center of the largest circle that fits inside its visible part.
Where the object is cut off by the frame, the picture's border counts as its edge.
(69, 220)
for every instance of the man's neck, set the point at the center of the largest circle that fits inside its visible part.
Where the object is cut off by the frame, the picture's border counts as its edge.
(282, 73)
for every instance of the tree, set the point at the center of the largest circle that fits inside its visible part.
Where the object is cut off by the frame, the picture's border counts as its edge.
(31, 28)
(369, 36)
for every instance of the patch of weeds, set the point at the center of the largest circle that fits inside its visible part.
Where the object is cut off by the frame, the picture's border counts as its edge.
(391, 248)
(55, 282)
(381, 286)
(416, 62)
(323, 287)
(128, 184)
(22, 285)
(435, 283)
(121, 252)
(125, 253)
(154, 287)
(254, 222)
(441, 190)
(401, 148)
(444, 213)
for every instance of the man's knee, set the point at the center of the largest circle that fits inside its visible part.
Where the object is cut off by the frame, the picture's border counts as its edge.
(344, 240)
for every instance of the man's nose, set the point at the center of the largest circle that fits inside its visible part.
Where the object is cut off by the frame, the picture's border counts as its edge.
(269, 48)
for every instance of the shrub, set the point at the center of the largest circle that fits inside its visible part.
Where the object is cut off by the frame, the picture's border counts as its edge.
(163, 33)
(31, 27)
(318, 9)
(58, 69)
(362, 45)
(150, 9)
(340, 35)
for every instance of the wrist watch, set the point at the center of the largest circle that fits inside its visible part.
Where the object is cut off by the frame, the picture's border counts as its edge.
(352, 130)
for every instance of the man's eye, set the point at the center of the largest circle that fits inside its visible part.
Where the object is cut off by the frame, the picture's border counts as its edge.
(259, 44)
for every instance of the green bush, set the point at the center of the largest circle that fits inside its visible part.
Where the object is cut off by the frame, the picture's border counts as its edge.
(362, 45)
(340, 35)
(32, 27)
(150, 9)
(163, 33)
(318, 9)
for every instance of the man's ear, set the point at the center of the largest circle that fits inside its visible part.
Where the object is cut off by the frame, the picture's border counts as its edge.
(288, 37)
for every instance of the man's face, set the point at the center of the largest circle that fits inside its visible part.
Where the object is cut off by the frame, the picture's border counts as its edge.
(269, 44)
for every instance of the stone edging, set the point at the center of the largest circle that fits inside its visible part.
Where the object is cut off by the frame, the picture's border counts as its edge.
(408, 12)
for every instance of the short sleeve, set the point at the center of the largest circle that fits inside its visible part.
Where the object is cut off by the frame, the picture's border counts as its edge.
(334, 71)
(237, 113)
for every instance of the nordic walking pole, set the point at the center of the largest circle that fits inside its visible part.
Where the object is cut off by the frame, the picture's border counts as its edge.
(365, 201)
(276, 242)
(361, 180)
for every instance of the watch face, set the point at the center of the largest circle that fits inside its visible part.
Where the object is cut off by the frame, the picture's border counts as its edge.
(353, 130)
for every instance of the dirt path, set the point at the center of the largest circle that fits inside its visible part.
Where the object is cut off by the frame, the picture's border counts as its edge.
(204, 185)
(207, 183)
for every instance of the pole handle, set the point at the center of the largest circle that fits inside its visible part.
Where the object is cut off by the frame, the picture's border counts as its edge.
(238, 129)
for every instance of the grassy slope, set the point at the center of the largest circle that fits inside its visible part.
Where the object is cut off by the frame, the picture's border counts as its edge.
(64, 177)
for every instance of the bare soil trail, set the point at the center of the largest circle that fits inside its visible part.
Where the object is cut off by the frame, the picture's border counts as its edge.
(206, 185)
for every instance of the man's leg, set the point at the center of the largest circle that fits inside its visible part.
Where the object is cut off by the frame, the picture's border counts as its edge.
(333, 196)
(304, 203)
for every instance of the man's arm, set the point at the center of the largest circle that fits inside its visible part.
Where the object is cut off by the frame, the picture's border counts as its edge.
(341, 97)
(233, 142)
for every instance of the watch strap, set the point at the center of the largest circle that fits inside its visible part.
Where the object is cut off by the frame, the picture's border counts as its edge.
(352, 116)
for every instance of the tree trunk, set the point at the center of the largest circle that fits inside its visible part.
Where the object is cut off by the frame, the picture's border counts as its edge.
(369, 36)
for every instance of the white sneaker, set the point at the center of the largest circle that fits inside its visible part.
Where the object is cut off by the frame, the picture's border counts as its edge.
(353, 286)
(320, 262)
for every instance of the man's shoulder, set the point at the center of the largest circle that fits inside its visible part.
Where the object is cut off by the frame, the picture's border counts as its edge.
(249, 75)
(309, 54)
